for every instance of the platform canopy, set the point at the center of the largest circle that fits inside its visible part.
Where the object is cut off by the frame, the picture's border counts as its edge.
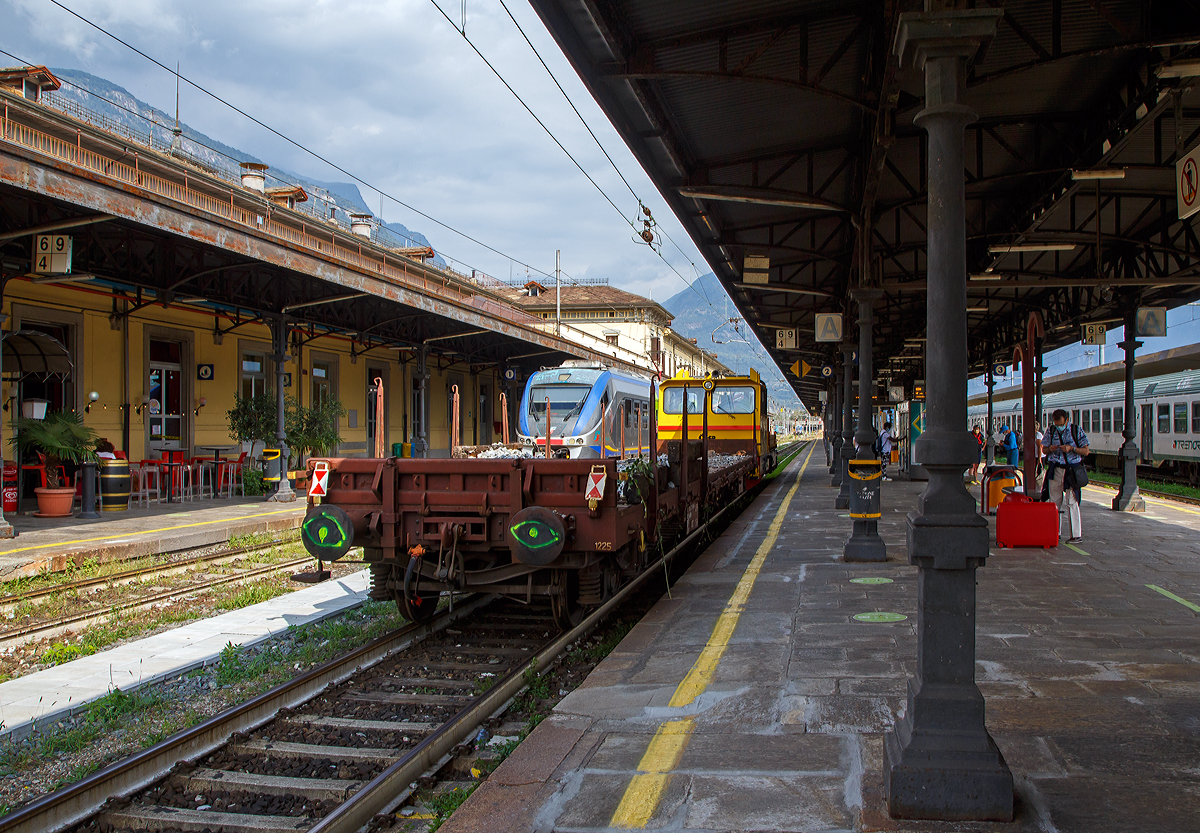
(784, 129)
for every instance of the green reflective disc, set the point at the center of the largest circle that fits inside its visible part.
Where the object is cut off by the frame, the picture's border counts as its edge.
(880, 616)
(871, 580)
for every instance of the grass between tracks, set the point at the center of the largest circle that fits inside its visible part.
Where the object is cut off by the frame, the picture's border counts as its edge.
(1152, 485)
(117, 625)
(124, 722)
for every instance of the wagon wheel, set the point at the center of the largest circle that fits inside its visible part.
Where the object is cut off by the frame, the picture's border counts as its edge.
(612, 580)
(564, 599)
(418, 606)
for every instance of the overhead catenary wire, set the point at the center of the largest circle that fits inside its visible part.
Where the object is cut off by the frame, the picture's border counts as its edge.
(348, 173)
(319, 156)
(595, 138)
(463, 31)
(297, 144)
(155, 123)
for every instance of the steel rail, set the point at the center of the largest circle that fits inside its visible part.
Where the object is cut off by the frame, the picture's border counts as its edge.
(372, 799)
(78, 801)
(1152, 493)
(44, 629)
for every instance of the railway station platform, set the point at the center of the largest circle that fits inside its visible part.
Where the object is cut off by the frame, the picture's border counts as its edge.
(49, 544)
(769, 716)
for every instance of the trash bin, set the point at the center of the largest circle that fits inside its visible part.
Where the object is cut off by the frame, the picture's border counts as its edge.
(12, 480)
(865, 479)
(272, 465)
(397, 449)
(407, 449)
(996, 478)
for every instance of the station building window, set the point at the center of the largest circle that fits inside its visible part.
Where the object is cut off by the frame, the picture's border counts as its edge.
(254, 375)
(1164, 419)
(1181, 418)
(322, 384)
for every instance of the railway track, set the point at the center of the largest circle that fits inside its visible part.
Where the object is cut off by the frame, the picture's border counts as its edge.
(344, 742)
(9, 602)
(59, 625)
(1153, 493)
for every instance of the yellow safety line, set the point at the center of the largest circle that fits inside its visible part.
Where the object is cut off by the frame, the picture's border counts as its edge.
(645, 789)
(121, 535)
(702, 672)
(654, 771)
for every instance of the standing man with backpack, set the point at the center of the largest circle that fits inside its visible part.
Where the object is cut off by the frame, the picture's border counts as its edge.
(883, 447)
(1010, 445)
(1066, 445)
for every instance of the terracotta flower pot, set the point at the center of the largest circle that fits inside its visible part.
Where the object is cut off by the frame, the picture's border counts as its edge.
(55, 503)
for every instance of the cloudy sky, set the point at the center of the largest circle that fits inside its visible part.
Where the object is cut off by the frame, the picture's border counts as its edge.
(391, 92)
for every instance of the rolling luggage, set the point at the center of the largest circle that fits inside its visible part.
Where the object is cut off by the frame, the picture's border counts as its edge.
(1021, 522)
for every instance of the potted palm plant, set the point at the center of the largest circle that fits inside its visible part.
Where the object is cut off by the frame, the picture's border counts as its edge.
(60, 438)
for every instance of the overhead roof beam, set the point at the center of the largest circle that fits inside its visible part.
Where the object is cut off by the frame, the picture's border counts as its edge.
(60, 225)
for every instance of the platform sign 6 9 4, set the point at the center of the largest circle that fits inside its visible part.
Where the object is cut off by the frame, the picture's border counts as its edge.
(52, 254)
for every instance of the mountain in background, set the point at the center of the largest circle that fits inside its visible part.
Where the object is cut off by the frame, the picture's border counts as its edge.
(125, 113)
(701, 310)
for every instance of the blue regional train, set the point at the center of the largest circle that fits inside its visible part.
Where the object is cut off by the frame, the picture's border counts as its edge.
(589, 410)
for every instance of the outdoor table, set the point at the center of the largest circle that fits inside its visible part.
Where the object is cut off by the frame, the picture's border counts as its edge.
(216, 461)
(216, 450)
(170, 460)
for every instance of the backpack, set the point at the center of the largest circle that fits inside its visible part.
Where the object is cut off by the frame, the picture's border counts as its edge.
(877, 446)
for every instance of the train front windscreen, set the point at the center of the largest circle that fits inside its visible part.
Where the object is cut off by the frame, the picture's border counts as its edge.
(565, 403)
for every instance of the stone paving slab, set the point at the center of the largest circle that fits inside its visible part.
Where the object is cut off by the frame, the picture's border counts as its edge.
(1091, 682)
(50, 544)
(53, 693)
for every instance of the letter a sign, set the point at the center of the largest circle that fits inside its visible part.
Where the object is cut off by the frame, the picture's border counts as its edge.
(829, 326)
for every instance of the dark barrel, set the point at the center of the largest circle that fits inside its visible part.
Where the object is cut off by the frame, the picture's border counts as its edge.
(114, 485)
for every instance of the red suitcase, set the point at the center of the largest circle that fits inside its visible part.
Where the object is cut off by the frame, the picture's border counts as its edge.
(1021, 522)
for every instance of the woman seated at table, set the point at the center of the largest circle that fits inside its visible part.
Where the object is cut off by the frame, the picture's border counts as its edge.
(105, 450)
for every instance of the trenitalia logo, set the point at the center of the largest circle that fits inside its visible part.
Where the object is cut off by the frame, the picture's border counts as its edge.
(1186, 445)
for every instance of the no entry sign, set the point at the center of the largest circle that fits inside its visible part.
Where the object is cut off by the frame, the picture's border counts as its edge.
(1187, 182)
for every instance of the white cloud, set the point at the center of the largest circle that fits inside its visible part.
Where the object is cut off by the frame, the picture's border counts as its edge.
(391, 92)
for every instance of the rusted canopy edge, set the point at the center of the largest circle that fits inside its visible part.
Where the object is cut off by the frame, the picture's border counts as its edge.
(59, 181)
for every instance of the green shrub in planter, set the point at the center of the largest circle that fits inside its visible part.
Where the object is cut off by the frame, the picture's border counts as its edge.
(254, 482)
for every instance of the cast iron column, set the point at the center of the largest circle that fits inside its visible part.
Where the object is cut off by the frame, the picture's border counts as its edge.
(835, 433)
(864, 543)
(420, 441)
(940, 761)
(988, 441)
(1129, 499)
(842, 501)
(1040, 370)
(6, 527)
(283, 490)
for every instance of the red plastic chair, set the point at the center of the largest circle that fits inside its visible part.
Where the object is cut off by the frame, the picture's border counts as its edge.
(41, 469)
(235, 470)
